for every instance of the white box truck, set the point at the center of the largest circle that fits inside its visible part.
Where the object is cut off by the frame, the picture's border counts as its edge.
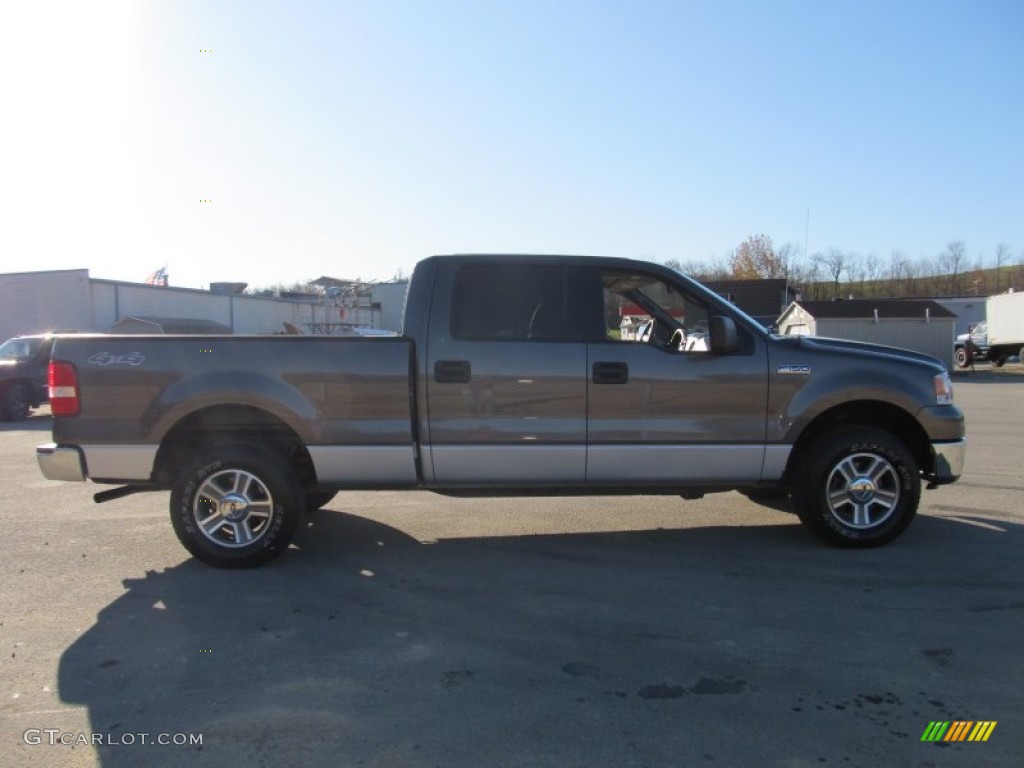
(1005, 313)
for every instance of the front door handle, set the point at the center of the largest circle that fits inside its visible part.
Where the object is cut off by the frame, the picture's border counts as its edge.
(610, 373)
(452, 371)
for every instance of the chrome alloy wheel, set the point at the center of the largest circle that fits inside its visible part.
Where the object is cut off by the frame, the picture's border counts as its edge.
(233, 508)
(863, 490)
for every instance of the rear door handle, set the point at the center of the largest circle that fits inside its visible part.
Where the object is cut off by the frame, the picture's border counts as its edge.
(610, 373)
(452, 371)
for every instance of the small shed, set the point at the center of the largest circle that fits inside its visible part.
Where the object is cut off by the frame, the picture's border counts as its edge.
(922, 326)
(170, 325)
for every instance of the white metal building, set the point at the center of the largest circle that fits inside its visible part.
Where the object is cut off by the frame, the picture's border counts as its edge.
(922, 326)
(70, 300)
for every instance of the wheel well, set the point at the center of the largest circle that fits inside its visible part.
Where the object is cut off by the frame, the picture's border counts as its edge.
(868, 413)
(230, 424)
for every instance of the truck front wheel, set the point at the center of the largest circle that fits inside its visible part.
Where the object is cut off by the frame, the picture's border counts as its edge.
(962, 358)
(856, 487)
(236, 505)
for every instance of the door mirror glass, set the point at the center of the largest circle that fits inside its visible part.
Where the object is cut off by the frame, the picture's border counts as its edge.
(723, 335)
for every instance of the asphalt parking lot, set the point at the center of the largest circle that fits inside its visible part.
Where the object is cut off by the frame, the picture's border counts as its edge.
(414, 630)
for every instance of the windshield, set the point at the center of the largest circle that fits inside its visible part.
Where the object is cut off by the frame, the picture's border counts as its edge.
(19, 349)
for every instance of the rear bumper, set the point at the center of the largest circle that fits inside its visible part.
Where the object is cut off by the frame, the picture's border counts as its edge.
(60, 462)
(949, 460)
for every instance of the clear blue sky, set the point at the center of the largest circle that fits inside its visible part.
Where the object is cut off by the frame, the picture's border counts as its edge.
(353, 137)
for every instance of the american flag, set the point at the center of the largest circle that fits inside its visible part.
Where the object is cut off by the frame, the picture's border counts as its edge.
(158, 278)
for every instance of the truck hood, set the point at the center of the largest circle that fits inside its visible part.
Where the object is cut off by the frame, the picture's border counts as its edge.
(867, 350)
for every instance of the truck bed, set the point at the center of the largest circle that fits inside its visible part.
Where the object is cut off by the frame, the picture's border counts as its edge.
(347, 399)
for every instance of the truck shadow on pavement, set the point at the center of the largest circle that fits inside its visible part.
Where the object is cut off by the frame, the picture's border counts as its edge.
(366, 647)
(34, 423)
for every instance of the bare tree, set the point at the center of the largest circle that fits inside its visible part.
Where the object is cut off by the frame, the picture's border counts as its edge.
(951, 262)
(788, 255)
(834, 262)
(872, 265)
(801, 278)
(897, 272)
(855, 270)
(699, 270)
(932, 278)
(1003, 253)
(977, 284)
(715, 269)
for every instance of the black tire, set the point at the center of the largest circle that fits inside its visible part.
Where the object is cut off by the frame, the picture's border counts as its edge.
(962, 358)
(856, 487)
(997, 362)
(317, 499)
(247, 496)
(17, 402)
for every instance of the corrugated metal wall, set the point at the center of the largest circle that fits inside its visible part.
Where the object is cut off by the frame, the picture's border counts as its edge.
(69, 300)
(933, 338)
(34, 302)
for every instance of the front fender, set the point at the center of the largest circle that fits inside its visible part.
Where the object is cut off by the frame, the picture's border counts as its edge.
(800, 390)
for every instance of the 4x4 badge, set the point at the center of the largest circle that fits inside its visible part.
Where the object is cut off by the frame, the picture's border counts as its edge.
(105, 358)
(788, 368)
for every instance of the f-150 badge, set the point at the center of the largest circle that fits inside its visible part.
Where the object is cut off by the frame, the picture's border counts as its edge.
(788, 368)
(105, 358)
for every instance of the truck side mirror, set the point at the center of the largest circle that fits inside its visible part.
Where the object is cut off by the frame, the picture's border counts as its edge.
(723, 335)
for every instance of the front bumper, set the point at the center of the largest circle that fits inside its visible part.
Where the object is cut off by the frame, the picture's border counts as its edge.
(949, 461)
(60, 462)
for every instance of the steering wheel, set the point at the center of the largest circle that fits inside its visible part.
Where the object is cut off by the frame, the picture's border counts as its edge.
(678, 340)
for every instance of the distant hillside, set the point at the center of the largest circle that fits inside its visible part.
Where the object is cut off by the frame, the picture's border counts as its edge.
(975, 282)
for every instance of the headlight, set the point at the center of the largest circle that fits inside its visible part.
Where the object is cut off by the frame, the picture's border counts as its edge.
(943, 389)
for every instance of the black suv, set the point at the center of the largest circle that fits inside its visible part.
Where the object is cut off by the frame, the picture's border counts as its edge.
(23, 362)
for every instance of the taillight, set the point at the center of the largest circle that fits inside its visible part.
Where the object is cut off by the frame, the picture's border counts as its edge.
(62, 380)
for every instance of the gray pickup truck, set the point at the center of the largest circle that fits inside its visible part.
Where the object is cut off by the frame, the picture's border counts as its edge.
(514, 375)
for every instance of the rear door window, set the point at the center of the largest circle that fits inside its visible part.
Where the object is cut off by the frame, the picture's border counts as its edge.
(514, 302)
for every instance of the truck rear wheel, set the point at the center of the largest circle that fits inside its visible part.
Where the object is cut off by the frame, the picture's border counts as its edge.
(236, 505)
(857, 487)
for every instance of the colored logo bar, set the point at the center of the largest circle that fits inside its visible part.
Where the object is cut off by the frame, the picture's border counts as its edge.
(959, 730)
